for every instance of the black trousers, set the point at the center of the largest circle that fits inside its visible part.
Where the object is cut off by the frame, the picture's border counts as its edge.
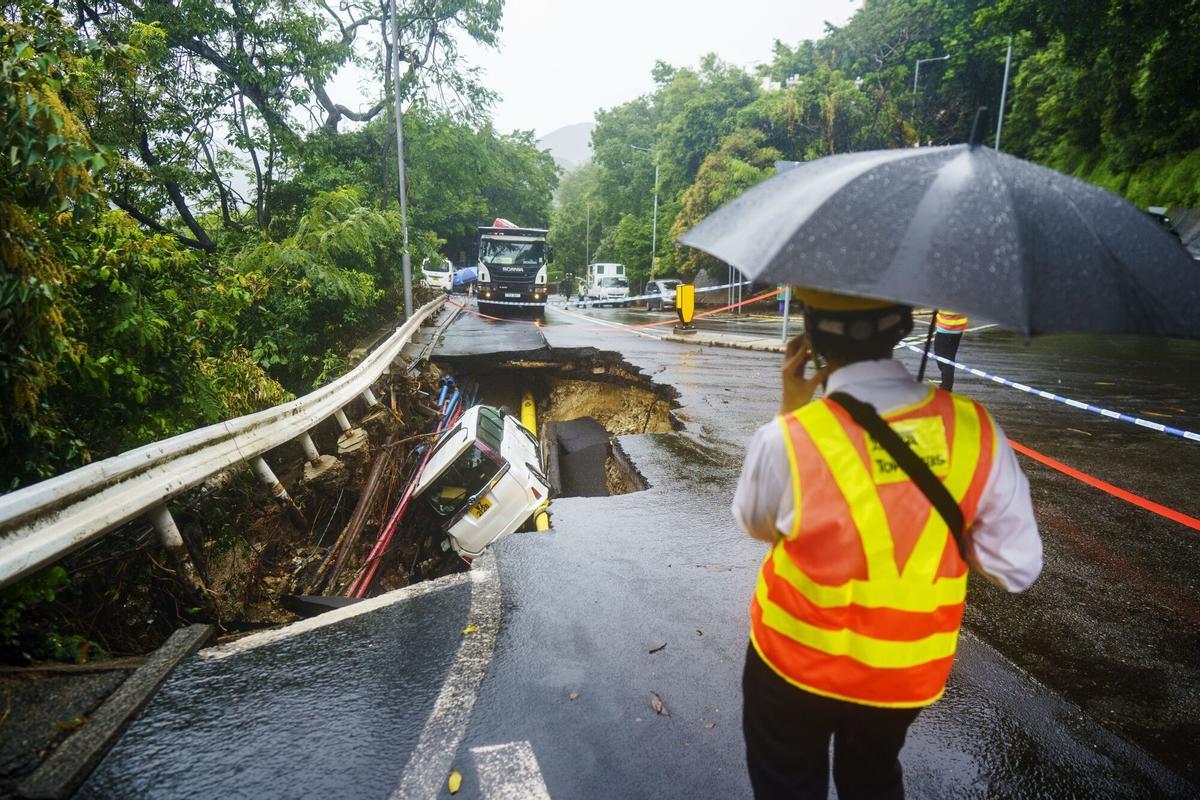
(787, 733)
(946, 346)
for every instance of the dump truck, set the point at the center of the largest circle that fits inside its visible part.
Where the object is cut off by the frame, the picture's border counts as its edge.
(512, 269)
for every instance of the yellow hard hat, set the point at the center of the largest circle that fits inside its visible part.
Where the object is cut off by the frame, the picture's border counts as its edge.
(821, 300)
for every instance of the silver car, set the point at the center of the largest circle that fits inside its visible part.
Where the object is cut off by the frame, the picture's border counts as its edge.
(661, 294)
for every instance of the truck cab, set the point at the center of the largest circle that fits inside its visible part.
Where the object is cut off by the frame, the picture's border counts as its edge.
(482, 480)
(607, 284)
(512, 267)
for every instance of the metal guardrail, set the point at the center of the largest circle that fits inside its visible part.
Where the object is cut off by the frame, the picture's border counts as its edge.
(45, 521)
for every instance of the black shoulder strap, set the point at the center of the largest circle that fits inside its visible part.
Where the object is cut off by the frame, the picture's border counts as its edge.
(929, 484)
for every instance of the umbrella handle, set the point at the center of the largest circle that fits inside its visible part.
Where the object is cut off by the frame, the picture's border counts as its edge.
(928, 339)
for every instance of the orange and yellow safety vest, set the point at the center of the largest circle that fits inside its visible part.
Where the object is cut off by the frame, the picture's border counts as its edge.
(951, 322)
(863, 598)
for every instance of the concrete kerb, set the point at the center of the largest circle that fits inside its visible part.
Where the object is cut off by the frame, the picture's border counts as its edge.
(710, 339)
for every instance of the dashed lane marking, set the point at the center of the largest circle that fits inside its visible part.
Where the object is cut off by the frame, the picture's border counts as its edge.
(431, 760)
(509, 772)
(329, 617)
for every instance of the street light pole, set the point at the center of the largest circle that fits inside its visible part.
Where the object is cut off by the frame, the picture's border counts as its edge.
(912, 117)
(405, 260)
(1003, 93)
(654, 222)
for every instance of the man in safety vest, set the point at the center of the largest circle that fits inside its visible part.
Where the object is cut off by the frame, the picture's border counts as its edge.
(947, 335)
(855, 618)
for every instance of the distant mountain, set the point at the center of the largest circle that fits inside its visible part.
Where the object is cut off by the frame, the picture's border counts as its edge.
(570, 146)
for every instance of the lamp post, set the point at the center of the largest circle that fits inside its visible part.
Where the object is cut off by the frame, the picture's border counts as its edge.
(654, 219)
(405, 260)
(1003, 93)
(916, 77)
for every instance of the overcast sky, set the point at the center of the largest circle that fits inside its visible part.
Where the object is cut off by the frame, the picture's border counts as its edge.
(561, 60)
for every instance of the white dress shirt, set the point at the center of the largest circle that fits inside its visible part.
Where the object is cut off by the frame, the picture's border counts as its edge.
(1003, 540)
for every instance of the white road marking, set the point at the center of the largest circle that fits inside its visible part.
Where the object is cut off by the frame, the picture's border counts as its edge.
(606, 323)
(509, 772)
(329, 617)
(431, 760)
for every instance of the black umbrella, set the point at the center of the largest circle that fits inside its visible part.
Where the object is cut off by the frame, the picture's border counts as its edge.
(963, 228)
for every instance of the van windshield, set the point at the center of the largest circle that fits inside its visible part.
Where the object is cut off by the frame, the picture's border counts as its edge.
(615, 282)
(468, 474)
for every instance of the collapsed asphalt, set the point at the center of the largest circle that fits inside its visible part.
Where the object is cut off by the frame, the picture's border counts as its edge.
(588, 607)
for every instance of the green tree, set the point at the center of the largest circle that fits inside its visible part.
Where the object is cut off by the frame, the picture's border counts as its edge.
(741, 161)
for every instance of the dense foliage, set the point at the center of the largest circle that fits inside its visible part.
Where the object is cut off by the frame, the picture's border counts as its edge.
(178, 246)
(1105, 90)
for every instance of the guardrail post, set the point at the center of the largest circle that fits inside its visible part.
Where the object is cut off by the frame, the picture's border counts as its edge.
(369, 398)
(352, 439)
(319, 467)
(310, 449)
(263, 470)
(170, 538)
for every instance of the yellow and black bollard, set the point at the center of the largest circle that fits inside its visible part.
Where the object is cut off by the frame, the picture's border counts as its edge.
(685, 307)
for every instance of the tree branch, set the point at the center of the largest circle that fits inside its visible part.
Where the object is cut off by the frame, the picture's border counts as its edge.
(152, 223)
(180, 202)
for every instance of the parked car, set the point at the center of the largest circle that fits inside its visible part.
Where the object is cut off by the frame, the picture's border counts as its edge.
(483, 480)
(661, 294)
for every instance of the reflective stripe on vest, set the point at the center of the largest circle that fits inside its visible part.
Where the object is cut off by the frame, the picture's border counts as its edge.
(863, 600)
(950, 322)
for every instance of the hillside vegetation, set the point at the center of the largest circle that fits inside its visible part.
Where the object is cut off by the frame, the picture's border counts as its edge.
(1106, 90)
(193, 228)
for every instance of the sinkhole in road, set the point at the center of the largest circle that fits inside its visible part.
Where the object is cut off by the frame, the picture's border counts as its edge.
(585, 399)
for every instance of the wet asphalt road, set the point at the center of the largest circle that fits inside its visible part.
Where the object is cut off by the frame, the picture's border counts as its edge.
(358, 708)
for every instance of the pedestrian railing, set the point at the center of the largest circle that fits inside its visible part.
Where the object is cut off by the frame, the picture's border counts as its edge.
(43, 522)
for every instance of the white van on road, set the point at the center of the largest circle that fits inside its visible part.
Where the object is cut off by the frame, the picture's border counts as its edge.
(483, 480)
(607, 284)
(437, 275)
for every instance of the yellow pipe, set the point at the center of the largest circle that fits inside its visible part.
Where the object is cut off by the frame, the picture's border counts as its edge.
(529, 412)
(541, 519)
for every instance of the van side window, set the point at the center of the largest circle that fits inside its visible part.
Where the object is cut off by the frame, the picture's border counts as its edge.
(491, 428)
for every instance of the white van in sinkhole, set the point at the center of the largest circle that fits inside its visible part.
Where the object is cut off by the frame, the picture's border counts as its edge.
(483, 479)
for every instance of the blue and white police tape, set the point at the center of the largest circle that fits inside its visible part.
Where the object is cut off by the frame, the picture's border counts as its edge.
(485, 301)
(582, 303)
(1145, 423)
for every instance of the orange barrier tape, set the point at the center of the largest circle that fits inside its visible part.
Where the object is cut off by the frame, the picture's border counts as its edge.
(1115, 491)
(747, 301)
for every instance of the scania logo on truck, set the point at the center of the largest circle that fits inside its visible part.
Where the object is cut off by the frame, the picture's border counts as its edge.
(512, 269)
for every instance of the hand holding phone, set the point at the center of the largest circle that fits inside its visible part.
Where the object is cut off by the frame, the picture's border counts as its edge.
(797, 389)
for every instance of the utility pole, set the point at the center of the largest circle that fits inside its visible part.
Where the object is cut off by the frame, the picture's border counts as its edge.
(405, 260)
(654, 220)
(587, 242)
(912, 116)
(1003, 93)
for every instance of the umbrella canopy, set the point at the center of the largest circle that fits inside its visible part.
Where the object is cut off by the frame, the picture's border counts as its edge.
(962, 228)
(465, 275)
